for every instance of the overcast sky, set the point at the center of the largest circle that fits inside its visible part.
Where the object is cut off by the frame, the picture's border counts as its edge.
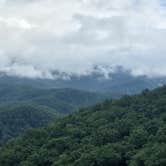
(40, 36)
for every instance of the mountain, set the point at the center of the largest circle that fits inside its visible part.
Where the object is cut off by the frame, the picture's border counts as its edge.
(16, 118)
(23, 107)
(60, 100)
(130, 131)
(116, 82)
(101, 79)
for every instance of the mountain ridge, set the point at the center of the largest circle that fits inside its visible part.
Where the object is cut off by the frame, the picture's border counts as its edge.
(129, 131)
(101, 80)
(24, 107)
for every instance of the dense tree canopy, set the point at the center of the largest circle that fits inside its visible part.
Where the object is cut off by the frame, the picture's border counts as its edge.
(16, 118)
(130, 131)
(61, 100)
(23, 107)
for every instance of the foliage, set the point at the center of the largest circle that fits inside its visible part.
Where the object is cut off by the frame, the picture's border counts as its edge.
(15, 119)
(24, 107)
(129, 131)
(61, 100)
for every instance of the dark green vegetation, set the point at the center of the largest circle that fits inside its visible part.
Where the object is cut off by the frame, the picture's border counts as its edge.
(130, 131)
(28, 107)
(14, 119)
(61, 100)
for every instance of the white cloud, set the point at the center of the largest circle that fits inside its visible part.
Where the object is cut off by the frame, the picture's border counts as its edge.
(38, 37)
(16, 23)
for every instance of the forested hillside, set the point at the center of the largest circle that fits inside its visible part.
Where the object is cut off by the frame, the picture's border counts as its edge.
(15, 119)
(24, 107)
(130, 131)
(61, 100)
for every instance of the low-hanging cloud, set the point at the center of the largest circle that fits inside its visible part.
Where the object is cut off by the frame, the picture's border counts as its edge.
(38, 37)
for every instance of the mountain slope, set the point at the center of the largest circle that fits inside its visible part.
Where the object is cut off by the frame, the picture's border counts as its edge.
(61, 100)
(15, 119)
(23, 107)
(129, 131)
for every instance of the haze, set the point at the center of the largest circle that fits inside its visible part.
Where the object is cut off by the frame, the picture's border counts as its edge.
(38, 37)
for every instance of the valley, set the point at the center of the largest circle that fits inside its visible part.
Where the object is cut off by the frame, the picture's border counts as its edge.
(119, 132)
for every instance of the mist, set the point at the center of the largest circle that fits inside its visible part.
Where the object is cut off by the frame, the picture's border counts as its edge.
(39, 37)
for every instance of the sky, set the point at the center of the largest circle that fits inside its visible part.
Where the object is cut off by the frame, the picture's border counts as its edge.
(38, 37)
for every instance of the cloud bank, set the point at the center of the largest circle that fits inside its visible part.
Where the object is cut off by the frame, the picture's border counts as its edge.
(38, 37)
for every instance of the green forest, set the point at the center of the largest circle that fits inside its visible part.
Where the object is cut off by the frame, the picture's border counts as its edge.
(82, 83)
(130, 131)
(16, 118)
(63, 100)
(25, 107)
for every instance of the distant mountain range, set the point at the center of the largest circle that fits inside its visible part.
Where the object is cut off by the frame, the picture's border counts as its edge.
(102, 79)
(31, 103)
(25, 107)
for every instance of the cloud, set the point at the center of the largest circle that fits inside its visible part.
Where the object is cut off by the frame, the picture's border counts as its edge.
(38, 37)
(15, 23)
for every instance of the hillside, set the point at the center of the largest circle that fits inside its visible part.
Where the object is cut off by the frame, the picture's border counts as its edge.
(15, 119)
(61, 100)
(25, 107)
(130, 131)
